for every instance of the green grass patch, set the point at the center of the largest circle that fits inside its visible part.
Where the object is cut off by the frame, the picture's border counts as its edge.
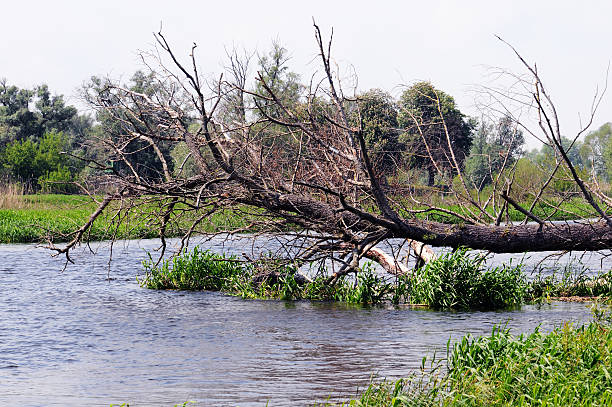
(566, 367)
(36, 218)
(459, 281)
(266, 278)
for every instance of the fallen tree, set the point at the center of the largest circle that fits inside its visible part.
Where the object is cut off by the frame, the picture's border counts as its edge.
(306, 168)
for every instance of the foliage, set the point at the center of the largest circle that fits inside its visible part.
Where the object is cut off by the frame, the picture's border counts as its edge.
(426, 114)
(377, 116)
(183, 164)
(40, 162)
(494, 148)
(454, 281)
(457, 281)
(569, 282)
(31, 113)
(195, 270)
(566, 367)
(596, 151)
(278, 79)
(266, 278)
(136, 153)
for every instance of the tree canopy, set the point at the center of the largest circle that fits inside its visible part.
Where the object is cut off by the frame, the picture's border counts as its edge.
(436, 133)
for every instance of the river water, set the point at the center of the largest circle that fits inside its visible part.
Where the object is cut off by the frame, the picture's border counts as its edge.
(77, 338)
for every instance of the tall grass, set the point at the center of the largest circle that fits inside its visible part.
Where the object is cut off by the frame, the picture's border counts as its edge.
(568, 282)
(266, 278)
(566, 367)
(459, 281)
(11, 196)
(454, 281)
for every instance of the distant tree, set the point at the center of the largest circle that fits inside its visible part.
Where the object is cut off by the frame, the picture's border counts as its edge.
(494, 148)
(607, 158)
(276, 78)
(437, 134)
(593, 151)
(115, 120)
(15, 115)
(54, 114)
(32, 113)
(478, 165)
(377, 116)
(40, 162)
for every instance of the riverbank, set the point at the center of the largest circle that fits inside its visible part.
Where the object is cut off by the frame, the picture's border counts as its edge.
(36, 218)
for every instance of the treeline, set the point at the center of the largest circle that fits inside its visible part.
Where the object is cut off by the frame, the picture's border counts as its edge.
(420, 138)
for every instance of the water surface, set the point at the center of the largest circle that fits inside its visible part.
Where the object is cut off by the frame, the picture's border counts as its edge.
(78, 338)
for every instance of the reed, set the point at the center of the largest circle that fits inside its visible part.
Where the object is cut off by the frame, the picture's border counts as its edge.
(11, 196)
(460, 281)
(454, 281)
(569, 366)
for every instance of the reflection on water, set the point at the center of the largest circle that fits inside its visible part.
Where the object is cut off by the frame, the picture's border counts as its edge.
(77, 338)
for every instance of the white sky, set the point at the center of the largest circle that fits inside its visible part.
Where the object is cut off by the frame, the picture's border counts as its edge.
(389, 43)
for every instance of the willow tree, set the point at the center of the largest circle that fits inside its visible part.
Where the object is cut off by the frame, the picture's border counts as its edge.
(324, 195)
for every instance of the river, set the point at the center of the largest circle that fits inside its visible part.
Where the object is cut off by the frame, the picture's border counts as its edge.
(78, 338)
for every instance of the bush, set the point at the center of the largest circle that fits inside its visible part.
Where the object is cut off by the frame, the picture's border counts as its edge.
(39, 162)
(58, 181)
(458, 281)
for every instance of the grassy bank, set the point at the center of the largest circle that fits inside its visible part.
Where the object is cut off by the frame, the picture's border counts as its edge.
(33, 218)
(567, 210)
(569, 366)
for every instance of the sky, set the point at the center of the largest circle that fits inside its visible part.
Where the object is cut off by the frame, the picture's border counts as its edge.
(388, 44)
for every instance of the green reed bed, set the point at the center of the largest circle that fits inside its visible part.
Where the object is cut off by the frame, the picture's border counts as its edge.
(568, 282)
(460, 281)
(453, 281)
(32, 225)
(266, 278)
(34, 218)
(570, 366)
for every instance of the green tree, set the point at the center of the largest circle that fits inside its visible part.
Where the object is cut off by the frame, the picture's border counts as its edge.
(377, 113)
(39, 162)
(32, 113)
(477, 165)
(116, 124)
(426, 114)
(494, 148)
(595, 151)
(283, 83)
(607, 159)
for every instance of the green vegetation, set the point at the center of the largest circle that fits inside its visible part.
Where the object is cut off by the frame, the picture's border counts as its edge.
(33, 218)
(454, 281)
(566, 367)
(567, 283)
(438, 118)
(266, 278)
(458, 281)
